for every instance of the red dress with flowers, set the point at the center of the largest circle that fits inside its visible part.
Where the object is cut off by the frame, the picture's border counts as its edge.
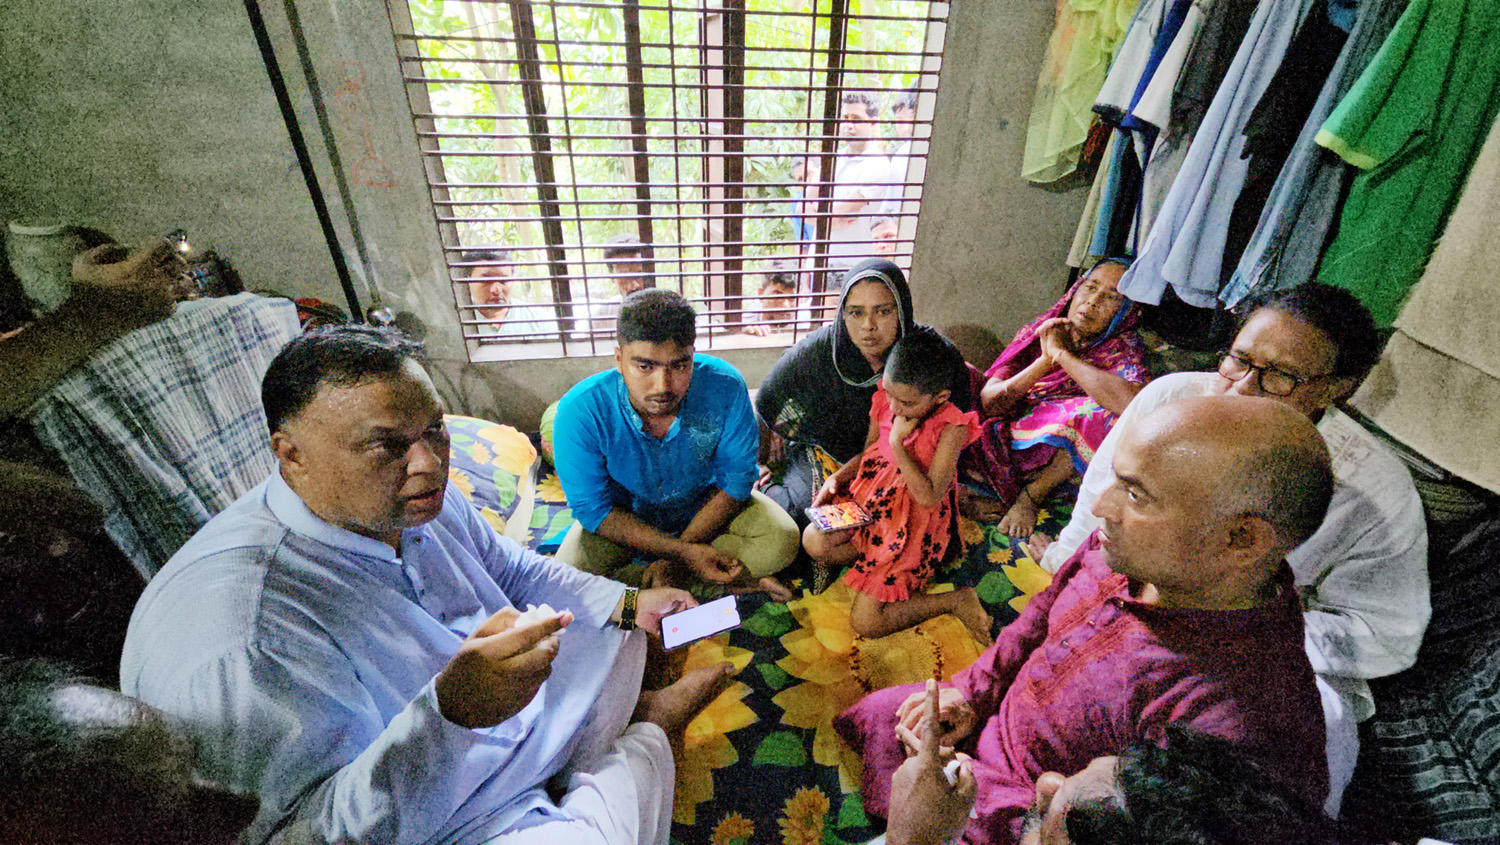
(900, 550)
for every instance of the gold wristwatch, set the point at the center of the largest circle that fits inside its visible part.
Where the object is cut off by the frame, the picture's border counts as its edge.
(627, 610)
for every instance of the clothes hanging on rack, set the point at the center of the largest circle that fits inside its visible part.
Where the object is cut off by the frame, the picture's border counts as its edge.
(1154, 108)
(1152, 50)
(1440, 374)
(1185, 248)
(1084, 41)
(1413, 123)
(1273, 127)
(1132, 61)
(1303, 204)
(1081, 252)
(1219, 38)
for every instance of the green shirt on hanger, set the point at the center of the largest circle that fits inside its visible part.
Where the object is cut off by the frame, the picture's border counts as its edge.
(1413, 123)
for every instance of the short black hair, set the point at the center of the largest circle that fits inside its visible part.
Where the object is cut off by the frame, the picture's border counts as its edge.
(620, 246)
(473, 256)
(926, 360)
(872, 106)
(657, 315)
(1335, 312)
(783, 273)
(905, 100)
(342, 355)
(1196, 789)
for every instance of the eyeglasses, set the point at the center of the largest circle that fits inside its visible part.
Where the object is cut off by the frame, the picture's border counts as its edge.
(1272, 381)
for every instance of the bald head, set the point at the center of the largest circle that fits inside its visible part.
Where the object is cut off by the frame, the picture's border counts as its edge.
(1250, 456)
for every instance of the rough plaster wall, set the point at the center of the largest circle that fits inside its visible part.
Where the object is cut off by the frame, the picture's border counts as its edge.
(139, 117)
(990, 246)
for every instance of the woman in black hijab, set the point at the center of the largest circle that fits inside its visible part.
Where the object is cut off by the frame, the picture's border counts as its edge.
(815, 402)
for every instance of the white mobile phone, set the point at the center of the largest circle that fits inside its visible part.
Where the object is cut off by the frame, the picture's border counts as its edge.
(695, 623)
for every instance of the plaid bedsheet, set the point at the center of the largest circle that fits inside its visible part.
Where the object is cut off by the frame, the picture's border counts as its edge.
(164, 427)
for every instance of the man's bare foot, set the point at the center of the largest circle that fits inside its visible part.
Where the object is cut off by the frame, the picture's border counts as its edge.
(1036, 546)
(972, 613)
(673, 707)
(1020, 520)
(979, 508)
(663, 667)
(772, 587)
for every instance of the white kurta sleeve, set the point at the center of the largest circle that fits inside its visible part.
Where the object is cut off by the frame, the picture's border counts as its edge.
(300, 730)
(529, 578)
(1363, 575)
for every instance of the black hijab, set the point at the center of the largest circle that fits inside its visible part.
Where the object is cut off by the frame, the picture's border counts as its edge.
(819, 391)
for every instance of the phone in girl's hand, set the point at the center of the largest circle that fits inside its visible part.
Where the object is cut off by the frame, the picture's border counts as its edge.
(838, 517)
(695, 623)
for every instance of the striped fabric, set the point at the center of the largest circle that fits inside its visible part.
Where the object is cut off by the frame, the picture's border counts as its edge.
(164, 427)
(1431, 763)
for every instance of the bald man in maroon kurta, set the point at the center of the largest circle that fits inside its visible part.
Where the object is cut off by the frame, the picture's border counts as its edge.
(1101, 659)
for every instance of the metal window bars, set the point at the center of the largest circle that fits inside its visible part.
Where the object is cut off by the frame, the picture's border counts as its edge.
(552, 129)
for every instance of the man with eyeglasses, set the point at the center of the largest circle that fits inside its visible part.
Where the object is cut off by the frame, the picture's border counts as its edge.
(1363, 575)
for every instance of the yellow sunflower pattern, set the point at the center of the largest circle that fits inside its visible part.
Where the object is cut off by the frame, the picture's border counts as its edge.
(549, 489)
(512, 451)
(733, 829)
(802, 817)
(837, 667)
(806, 667)
(706, 746)
(1024, 574)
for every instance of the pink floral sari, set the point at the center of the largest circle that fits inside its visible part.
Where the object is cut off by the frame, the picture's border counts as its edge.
(1058, 413)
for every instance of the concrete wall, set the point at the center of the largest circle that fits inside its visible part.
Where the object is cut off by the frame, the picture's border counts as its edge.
(990, 246)
(143, 116)
(139, 117)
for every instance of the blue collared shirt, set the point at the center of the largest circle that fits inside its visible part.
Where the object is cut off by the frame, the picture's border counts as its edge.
(303, 656)
(606, 460)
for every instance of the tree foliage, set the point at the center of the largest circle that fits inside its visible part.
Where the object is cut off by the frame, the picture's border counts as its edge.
(583, 57)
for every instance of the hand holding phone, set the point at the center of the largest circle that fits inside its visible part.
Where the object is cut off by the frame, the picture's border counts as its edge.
(705, 620)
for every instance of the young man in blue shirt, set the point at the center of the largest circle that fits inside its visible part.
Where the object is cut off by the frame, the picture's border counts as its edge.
(657, 458)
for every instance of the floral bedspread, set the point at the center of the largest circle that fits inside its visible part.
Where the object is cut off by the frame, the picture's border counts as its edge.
(762, 764)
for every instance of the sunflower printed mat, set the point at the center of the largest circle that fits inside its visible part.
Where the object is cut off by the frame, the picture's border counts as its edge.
(762, 765)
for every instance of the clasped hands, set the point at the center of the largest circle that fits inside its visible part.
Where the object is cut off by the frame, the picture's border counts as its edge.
(934, 790)
(1056, 338)
(499, 668)
(703, 560)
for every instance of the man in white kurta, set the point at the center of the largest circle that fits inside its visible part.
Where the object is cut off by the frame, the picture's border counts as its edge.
(1363, 576)
(338, 639)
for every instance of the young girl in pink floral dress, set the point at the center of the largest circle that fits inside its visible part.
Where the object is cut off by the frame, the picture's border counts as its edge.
(905, 480)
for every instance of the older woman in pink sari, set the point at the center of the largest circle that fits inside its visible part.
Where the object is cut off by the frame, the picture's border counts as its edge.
(1053, 395)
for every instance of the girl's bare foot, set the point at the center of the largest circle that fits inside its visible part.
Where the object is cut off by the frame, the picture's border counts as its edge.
(1020, 520)
(971, 612)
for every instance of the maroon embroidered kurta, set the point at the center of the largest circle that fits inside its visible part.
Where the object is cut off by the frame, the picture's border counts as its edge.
(1087, 670)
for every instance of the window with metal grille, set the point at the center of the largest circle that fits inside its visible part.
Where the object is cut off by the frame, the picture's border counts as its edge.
(579, 149)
